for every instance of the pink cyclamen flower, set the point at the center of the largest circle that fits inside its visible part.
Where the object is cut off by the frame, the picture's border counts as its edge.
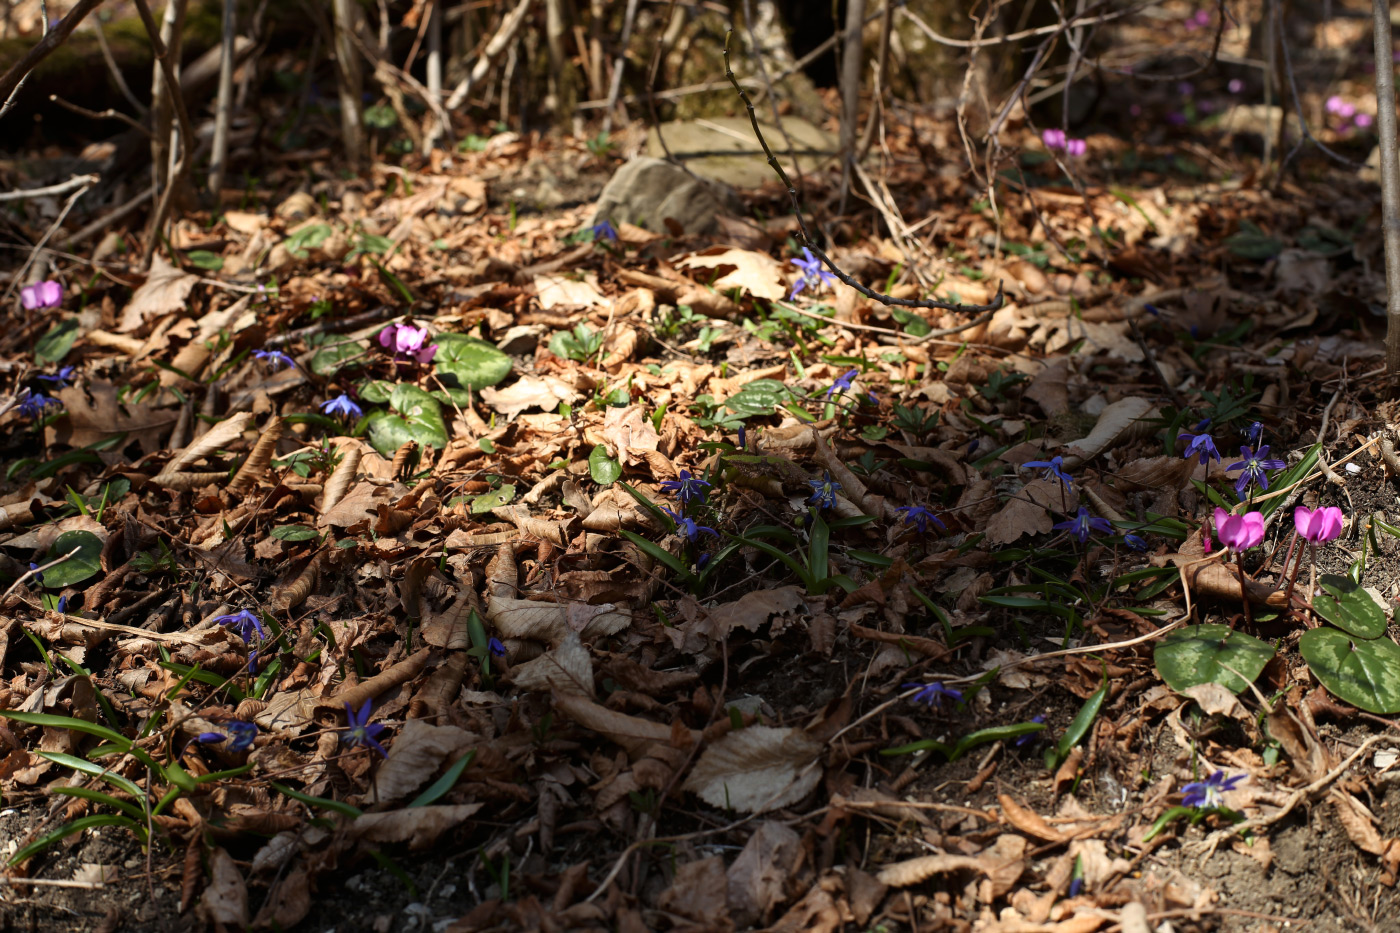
(1362, 120)
(1239, 532)
(1235, 85)
(1318, 525)
(1053, 139)
(41, 295)
(407, 340)
(1075, 147)
(1340, 107)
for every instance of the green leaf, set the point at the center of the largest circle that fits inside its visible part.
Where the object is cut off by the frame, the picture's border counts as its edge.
(1253, 243)
(494, 499)
(203, 259)
(464, 362)
(97, 771)
(1350, 607)
(380, 117)
(55, 344)
(77, 826)
(1365, 674)
(308, 237)
(1199, 654)
(295, 533)
(327, 361)
(1288, 477)
(416, 416)
(86, 563)
(657, 552)
(377, 391)
(336, 805)
(445, 783)
(758, 398)
(96, 796)
(1078, 728)
(604, 469)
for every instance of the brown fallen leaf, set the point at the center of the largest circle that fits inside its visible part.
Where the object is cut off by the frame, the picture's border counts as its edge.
(757, 769)
(225, 898)
(418, 752)
(1028, 821)
(164, 291)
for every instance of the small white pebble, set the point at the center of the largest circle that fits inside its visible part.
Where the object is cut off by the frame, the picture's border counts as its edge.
(1353, 468)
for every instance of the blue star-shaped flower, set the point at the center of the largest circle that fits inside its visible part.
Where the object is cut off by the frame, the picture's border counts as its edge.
(1255, 433)
(33, 404)
(1135, 542)
(687, 526)
(603, 230)
(813, 274)
(275, 359)
(1254, 464)
(1052, 467)
(1210, 793)
(823, 491)
(843, 383)
(687, 488)
(919, 517)
(245, 623)
(341, 405)
(240, 736)
(1202, 444)
(1083, 523)
(63, 377)
(933, 694)
(362, 733)
(496, 647)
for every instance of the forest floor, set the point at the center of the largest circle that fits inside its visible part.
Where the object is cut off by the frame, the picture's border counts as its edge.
(582, 577)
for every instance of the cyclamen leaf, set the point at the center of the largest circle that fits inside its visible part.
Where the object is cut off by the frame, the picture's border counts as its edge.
(1350, 607)
(1201, 654)
(1365, 674)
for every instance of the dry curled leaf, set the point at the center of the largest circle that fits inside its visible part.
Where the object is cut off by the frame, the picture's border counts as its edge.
(757, 769)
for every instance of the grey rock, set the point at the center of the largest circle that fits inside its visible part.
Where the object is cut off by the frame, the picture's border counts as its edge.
(647, 191)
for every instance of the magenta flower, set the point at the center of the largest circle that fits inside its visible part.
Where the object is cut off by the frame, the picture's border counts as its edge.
(1235, 86)
(1053, 139)
(1362, 120)
(1340, 107)
(1074, 148)
(41, 295)
(407, 340)
(1318, 526)
(1239, 532)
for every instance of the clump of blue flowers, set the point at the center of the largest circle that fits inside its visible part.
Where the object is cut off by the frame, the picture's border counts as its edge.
(813, 275)
(33, 404)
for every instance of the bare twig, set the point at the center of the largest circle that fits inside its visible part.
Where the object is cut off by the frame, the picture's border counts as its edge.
(811, 243)
(117, 75)
(108, 114)
(620, 64)
(77, 181)
(1390, 189)
(12, 80)
(223, 113)
(177, 98)
(498, 44)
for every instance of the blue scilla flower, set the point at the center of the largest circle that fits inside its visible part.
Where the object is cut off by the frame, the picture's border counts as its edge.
(603, 230)
(687, 526)
(33, 404)
(1202, 444)
(823, 491)
(843, 383)
(1254, 463)
(63, 377)
(687, 488)
(1210, 793)
(341, 405)
(1083, 524)
(238, 734)
(933, 694)
(362, 733)
(920, 518)
(1052, 467)
(813, 275)
(275, 359)
(245, 623)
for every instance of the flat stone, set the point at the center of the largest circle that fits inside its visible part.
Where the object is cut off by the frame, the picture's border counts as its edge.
(725, 148)
(648, 191)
